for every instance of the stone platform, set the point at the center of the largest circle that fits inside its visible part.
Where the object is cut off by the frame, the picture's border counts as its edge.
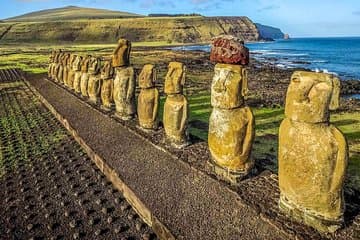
(171, 189)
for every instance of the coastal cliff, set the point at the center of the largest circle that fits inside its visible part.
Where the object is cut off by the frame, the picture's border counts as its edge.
(268, 32)
(144, 29)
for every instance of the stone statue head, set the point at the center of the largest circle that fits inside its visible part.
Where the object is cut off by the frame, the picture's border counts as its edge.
(229, 86)
(57, 56)
(107, 71)
(94, 65)
(85, 64)
(77, 63)
(121, 55)
(311, 95)
(147, 77)
(175, 78)
(72, 59)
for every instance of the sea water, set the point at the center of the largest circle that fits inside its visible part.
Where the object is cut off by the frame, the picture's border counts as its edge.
(340, 56)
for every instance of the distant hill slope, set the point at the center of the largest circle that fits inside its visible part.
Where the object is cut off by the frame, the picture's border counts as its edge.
(88, 25)
(167, 29)
(69, 13)
(267, 32)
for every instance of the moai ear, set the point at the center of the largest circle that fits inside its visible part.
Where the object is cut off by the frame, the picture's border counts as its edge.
(183, 76)
(334, 102)
(244, 89)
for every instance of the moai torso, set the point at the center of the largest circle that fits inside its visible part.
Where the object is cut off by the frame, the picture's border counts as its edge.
(77, 76)
(121, 55)
(66, 68)
(107, 85)
(56, 65)
(148, 99)
(71, 73)
(124, 92)
(85, 76)
(313, 154)
(51, 63)
(176, 106)
(94, 84)
(231, 125)
(60, 71)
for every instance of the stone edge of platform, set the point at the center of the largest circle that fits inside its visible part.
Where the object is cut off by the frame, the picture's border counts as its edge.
(158, 227)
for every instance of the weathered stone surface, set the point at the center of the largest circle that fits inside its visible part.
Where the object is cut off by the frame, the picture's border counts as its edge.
(94, 84)
(66, 67)
(313, 154)
(51, 63)
(56, 65)
(77, 77)
(85, 76)
(229, 49)
(124, 92)
(229, 86)
(121, 55)
(148, 99)
(60, 68)
(175, 78)
(231, 125)
(71, 74)
(107, 85)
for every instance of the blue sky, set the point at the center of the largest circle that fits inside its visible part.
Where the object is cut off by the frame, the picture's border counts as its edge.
(300, 18)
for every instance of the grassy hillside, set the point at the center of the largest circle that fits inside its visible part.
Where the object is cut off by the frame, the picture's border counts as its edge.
(159, 29)
(69, 13)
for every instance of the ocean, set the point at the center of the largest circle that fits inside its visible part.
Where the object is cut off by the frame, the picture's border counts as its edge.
(340, 55)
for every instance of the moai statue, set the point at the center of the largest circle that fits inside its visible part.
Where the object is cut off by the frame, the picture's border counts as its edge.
(85, 76)
(313, 154)
(94, 84)
(107, 86)
(59, 67)
(148, 99)
(124, 92)
(231, 124)
(77, 76)
(51, 63)
(121, 55)
(125, 82)
(71, 74)
(66, 68)
(176, 106)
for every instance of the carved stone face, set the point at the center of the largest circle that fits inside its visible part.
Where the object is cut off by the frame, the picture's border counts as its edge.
(77, 63)
(72, 59)
(175, 78)
(65, 59)
(94, 65)
(229, 86)
(310, 96)
(107, 70)
(121, 55)
(147, 77)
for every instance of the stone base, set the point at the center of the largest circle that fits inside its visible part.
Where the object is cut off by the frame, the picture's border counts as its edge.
(107, 109)
(177, 144)
(123, 117)
(316, 221)
(146, 130)
(233, 177)
(93, 100)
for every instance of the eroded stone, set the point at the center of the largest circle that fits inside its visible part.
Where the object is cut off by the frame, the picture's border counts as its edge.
(231, 124)
(94, 84)
(148, 99)
(229, 49)
(124, 92)
(85, 76)
(121, 55)
(313, 154)
(107, 85)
